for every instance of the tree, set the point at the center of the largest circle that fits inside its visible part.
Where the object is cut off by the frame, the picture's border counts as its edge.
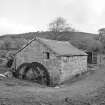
(101, 31)
(60, 25)
(101, 36)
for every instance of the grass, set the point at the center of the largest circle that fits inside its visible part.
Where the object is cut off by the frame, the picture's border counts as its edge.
(87, 89)
(81, 76)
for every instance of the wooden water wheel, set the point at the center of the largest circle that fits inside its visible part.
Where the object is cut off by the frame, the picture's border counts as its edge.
(34, 71)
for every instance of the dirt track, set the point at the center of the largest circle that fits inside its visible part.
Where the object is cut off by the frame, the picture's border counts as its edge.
(16, 92)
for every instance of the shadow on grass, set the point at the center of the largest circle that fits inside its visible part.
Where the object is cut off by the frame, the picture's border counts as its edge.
(79, 77)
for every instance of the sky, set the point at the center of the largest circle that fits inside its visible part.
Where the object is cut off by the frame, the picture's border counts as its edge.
(20, 16)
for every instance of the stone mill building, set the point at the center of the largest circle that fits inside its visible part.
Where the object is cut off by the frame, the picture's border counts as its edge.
(61, 59)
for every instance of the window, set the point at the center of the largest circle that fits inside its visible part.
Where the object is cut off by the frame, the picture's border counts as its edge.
(46, 55)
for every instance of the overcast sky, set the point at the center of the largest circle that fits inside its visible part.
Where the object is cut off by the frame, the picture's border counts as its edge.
(18, 16)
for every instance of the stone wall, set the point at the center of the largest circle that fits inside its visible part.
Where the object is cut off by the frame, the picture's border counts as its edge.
(72, 66)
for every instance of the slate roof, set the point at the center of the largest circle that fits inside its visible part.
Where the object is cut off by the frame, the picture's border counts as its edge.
(63, 48)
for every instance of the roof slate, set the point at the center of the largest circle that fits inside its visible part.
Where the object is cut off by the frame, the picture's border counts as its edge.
(62, 47)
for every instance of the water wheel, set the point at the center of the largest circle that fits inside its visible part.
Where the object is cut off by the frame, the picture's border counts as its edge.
(38, 73)
(34, 71)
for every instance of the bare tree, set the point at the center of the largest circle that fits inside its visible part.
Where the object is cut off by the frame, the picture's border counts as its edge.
(60, 25)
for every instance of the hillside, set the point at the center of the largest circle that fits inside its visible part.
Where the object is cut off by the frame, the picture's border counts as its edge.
(50, 35)
(13, 42)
